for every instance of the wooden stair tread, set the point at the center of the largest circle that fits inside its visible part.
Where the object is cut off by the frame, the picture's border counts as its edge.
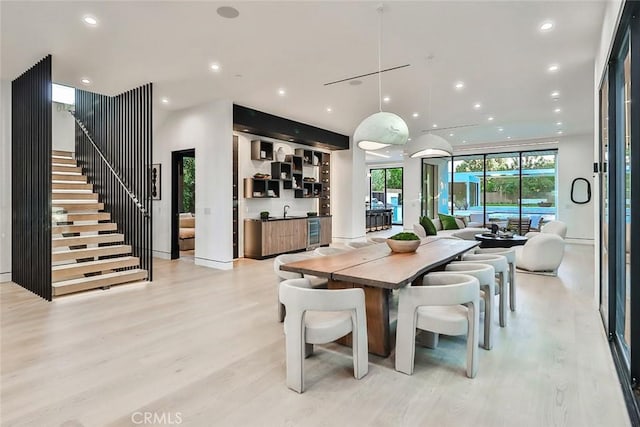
(68, 271)
(71, 254)
(61, 153)
(74, 196)
(58, 242)
(68, 177)
(70, 206)
(71, 186)
(66, 169)
(82, 216)
(84, 228)
(63, 161)
(93, 282)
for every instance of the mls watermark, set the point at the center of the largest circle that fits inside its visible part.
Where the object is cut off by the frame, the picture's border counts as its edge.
(156, 418)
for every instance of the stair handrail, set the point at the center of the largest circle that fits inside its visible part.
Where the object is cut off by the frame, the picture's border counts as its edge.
(130, 193)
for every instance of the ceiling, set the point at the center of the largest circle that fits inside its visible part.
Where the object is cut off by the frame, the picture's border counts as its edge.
(495, 48)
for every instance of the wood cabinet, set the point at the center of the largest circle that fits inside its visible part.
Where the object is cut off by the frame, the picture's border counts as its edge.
(325, 230)
(268, 238)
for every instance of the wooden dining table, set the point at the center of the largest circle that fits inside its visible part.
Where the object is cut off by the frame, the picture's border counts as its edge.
(378, 270)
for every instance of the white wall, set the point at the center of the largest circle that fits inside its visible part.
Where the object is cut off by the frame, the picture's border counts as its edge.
(5, 179)
(63, 129)
(575, 160)
(208, 129)
(251, 208)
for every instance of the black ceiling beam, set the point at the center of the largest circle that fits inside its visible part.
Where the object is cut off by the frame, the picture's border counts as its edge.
(263, 124)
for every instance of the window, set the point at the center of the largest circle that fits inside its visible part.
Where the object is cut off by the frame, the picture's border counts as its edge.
(386, 191)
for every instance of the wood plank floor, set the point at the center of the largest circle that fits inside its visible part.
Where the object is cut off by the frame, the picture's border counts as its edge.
(206, 344)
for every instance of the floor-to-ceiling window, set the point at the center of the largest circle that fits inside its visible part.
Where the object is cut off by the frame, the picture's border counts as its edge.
(514, 188)
(619, 258)
(386, 191)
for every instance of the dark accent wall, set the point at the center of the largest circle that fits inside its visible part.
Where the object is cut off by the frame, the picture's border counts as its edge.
(31, 179)
(258, 123)
(121, 128)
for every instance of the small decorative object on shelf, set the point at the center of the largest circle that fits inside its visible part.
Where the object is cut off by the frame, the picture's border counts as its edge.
(404, 242)
(264, 215)
(261, 176)
(312, 213)
(309, 179)
(280, 154)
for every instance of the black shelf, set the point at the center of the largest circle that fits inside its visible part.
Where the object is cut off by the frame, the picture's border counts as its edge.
(259, 147)
(259, 188)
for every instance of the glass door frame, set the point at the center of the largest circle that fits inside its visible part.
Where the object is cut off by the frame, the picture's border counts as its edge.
(385, 169)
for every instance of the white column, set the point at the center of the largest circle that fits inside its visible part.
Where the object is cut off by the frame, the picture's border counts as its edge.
(348, 192)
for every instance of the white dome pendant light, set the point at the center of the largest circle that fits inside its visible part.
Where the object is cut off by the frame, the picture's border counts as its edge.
(381, 129)
(429, 145)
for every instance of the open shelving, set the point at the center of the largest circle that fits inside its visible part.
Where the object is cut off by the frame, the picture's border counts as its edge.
(260, 188)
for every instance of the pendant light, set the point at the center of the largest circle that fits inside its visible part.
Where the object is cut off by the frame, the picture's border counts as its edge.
(429, 145)
(381, 129)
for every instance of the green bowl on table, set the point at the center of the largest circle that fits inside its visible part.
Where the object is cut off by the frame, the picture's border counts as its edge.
(404, 242)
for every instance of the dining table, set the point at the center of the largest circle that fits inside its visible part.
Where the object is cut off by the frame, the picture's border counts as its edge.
(378, 271)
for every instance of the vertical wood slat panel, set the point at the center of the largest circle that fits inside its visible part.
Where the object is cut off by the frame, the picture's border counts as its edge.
(117, 128)
(31, 107)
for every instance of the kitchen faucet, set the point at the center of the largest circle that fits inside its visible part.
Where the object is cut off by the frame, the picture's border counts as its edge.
(284, 214)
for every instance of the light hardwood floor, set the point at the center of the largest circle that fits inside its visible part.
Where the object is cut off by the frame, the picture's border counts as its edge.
(206, 344)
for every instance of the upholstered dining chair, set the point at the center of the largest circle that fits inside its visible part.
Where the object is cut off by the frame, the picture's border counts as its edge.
(501, 267)
(486, 276)
(320, 316)
(328, 250)
(316, 282)
(510, 254)
(448, 304)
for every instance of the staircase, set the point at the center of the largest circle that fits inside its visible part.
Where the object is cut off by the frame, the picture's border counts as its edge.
(88, 252)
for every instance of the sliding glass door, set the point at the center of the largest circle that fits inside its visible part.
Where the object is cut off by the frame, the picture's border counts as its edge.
(386, 191)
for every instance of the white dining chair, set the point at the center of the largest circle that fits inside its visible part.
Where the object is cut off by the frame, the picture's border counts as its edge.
(487, 278)
(327, 250)
(501, 266)
(356, 245)
(316, 282)
(320, 316)
(448, 304)
(510, 254)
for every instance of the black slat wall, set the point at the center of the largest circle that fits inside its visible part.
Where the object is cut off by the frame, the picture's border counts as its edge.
(31, 110)
(121, 128)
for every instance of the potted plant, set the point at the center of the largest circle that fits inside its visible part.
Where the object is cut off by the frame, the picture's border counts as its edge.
(264, 215)
(404, 242)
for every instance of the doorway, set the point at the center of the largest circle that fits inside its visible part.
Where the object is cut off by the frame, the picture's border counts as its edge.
(385, 191)
(183, 204)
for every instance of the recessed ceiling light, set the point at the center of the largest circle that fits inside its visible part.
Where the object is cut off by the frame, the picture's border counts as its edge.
(387, 151)
(408, 139)
(490, 118)
(415, 115)
(282, 92)
(557, 110)
(555, 94)
(86, 81)
(553, 68)
(508, 137)
(500, 129)
(558, 123)
(228, 12)
(215, 67)
(165, 100)
(477, 105)
(290, 139)
(434, 125)
(459, 85)
(90, 20)
(245, 130)
(546, 26)
(464, 141)
(386, 99)
(329, 109)
(559, 132)
(450, 134)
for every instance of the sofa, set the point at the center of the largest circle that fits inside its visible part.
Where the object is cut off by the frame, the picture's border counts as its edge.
(465, 231)
(187, 231)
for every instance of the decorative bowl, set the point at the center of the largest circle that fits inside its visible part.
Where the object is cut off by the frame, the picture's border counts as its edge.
(403, 245)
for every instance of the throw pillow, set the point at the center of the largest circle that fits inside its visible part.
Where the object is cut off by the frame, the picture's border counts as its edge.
(464, 219)
(448, 222)
(428, 225)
